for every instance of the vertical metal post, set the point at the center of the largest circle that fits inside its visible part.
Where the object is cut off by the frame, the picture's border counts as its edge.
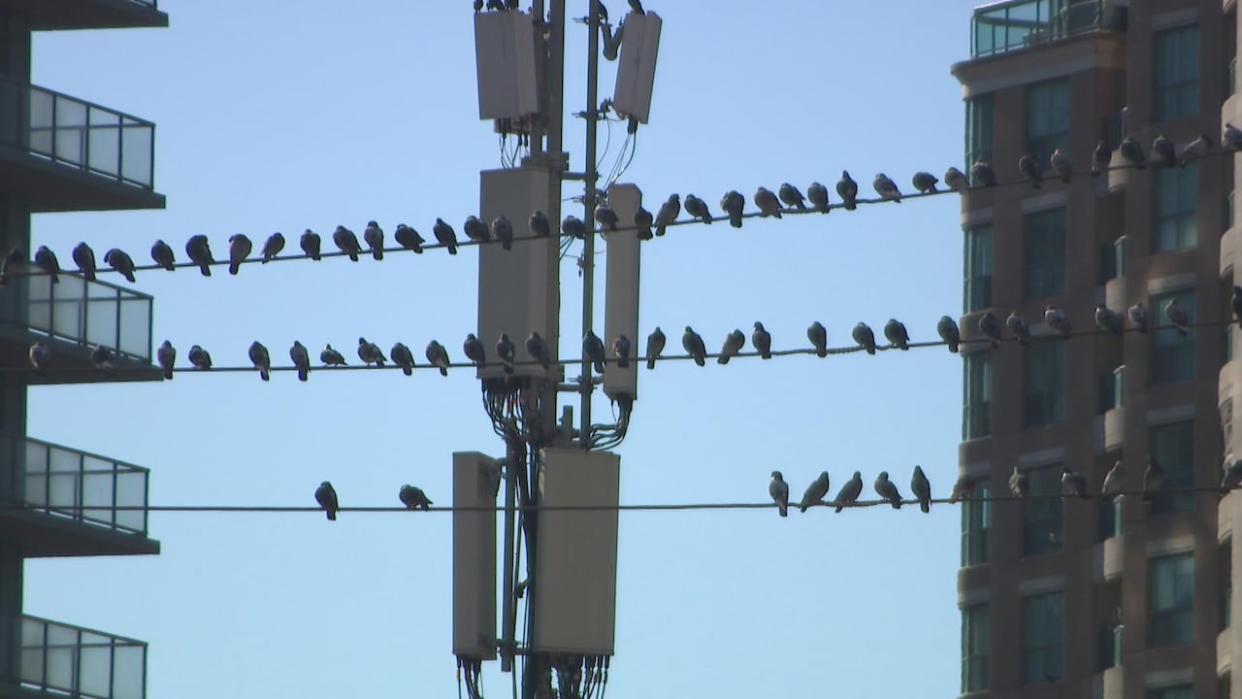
(509, 604)
(588, 207)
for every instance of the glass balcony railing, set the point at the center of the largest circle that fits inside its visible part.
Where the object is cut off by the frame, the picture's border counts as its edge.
(76, 663)
(85, 487)
(1013, 25)
(86, 313)
(77, 133)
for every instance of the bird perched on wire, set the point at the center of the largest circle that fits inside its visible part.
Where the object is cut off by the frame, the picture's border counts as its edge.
(1031, 169)
(370, 353)
(414, 498)
(311, 244)
(849, 492)
(1019, 484)
(502, 230)
(373, 236)
(790, 196)
(921, 487)
(949, 333)
(346, 242)
(767, 203)
(1055, 318)
(1177, 316)
(779, 490)
(762, 340)
(402, 357)
(40, 356)
(621, 350)
(537, 348)
(438, 357)
(1114, 481)
(1108, 320)
(817, 193)
(1073, 484)
(887, 490)
(1163, 150)
(593, 349)
(886, 188)
(924, 182)
(1017, 325)
(408, 238)
(693, 344)
(325, 495)
(955, 180)
(1132, 153)
(445, 235)
(46, 260)
(14, 263)
(698, 208)
(847, 189)
(574, 227)
(84, 258)
(895, 333)
(272, 247)
(199, 358)
(1101, 158)
(963, 489)
(636, 6)
(101, 357)
(1061, 165)
(261, 360)
(331, 357)
(301, 360)
(818, 335)
(1138, 317)
(1196, 149)
(990, 327)
(120, 261)
(669, 211)
(163, 256)
(983, 174)
(166, 356)
(643, 221)
(655, 346)
(815, 492)
(476, 230)
(239, 249)
(505, 350)
(606, 217)
(733, 343)
(198, 250)
(865, 337)
(539, 224)
(473, 348)
(733, 204)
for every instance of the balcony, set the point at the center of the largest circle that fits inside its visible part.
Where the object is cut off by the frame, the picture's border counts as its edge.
(1015, 25)
(66, 154)
(72, 500)
(88, 14)
(1108, 558)
(70, 661)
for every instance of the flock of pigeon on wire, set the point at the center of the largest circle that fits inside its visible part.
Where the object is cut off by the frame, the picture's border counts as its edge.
(786, 200)
(411, 496)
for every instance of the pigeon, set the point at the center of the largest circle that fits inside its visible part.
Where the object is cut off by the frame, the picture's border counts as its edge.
(767, 202)
(886, 188)
(925, 183)
(1073, 484)
(895, 333)
(921, 488)
(1163, 150)
(199, 358)
(887, 490)
(1055, 318)
(956, 180)
(1232, 477)
(669, 211)
(1153, 480)
(373, 236)
(259, 357)
(693, 344)
(502, 230)
(505, 350)
(402, 357)
(1138, 317)
(347, 242)
(574, 227)
(476, 230)
(370, 353)
(239, 249)
(818, 335)
(445, 235)
(849, 492)
(606, 217)
(301, 360)
(762, 340)
(983, 174)
(199, 251)
(1017, 325)
(40, 356)
(325, 495)
(478, 6)
(473, 348)
(537, 348)
(655, 346)
(1019, 484)
(539, 224)
(791, 197)
(311, 244)
(408, 238)
(1177, 316)
(963, 489)
(272, 247)
(46, 261)
(414, 498)
(1030, 168)
(636, 6)
(1196, 149)
(1108, 320)
(698, 208)
(815, 492)
(331, 357)
(734, 204)
(643, 221)
(1101, 158)
(163, 256)
(1133, 153)
(847, 189)
(1061, 165)
(621, 350)
(1114, 481)
(120, 261)
(84, 258)
(779, 490)
(818, 194)
(12, 264)
(1232, 140)
(990, 327)
(438, 357)
(101, 357)
(166, 355)
(865, 337)
(733, 343)
(593, 349)
(949, 332)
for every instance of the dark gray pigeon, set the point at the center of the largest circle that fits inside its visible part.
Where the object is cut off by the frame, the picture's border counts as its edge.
(1231, 476)
(655, 346)
(1073, 484)
(402, 357)
(693, 344)
(445, 235)
(1055, 318)
(1101, 158)
(990, 327)
(1017, 325)
(1132, 153)
(949, 332)
(331, 357)
(1108, 320)
(476, 230)
(373, 236)
(956, 180)
(849, 492)
(301, 360)
(540, 225)
(1138, 317)
(886, 188)
(767, 202)
(311, 244)
(163, 256)
(643, 221)
(101, 357)
(239, 249)
(734, 342)
(414, 498)
(1177, 315)
(818, 335)
(199, 251)
(593, 349)
(537, 348)
(606, 217)
(84, 258)
(818, 194)
(46, 260)
(370, 353)
(40, 356)
(815, 492)
(790, 196)
(502, 230)
(621, 349)
(272, 247)
(865, 337)
(1163, 150)
(887, 490)
(1061, 165)
(505, 350)
(346, 242)
(983, 174)
(408, 238)
(895, 333)
(438, 357)
(925, 183)
(921, 488)
(1114, 481)
(574, 227)
(325, 495)
(473, 347)
(762, 340)
(778, 489)
(1232, 139)
(199, 358)
(847, 189)
(261, 360)
(734, 204)
(166, 356)
(1030, 168)
(121, 262)
(669, 211)
(698, 208)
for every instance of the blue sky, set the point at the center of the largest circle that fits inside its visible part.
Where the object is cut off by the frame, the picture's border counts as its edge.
(281, 116)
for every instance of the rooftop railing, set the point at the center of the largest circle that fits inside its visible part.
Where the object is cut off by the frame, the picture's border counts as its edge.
(76, 662)
(1019, 24)
(77, 133)
(85, 487)
(86, 313)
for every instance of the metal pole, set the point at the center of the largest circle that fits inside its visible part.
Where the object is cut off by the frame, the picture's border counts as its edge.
(536, 125)
(509, 606)
(588, 206)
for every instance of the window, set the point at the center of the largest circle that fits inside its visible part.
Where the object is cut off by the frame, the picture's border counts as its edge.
(978, 130)
(1110, 518)
(976, 523)
(977, 292)
(975, 637)
(1172, 354)
(1047, 118)
(1181, 691)
(1043, 375)
(1041, 638)
(1177, 73)
(1043, 243)
(977, 395)
(1041, 517)
(1172, 446)
(1177, 205)
(1171, 600)
(1110, 642)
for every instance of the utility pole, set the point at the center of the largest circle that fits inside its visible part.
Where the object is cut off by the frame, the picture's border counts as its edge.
(591, 177)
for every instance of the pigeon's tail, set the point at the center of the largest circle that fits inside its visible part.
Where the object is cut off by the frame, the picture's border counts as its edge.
(168, 373)
(839, 508)
(623, 362)
(316, 256)
(735, 220)
(599, 367)
(452, 248)
(705, 218)
(234, 267)
(650, 363)
(265, 374)
(821, 352)
(896, 502)
(303, 374)
(850, 205)
(203, 267)
(723, 358)
(765, 353)
(377, 253)
(89, 275)
(507, 244)
(925, 506)
(659, 229)
(443, 370)
(777, 213)
(871, 349)
(129, 276)
(331, 515)
(953, 347)
(407, 369)
(56, 280)
(353, 256)
(784, 508)
(698, 359)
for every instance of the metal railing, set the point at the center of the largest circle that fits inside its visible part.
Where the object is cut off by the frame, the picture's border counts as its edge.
(76, 662)
(1019, 24)
(85, 487)
(82, 312)
(77, 133)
